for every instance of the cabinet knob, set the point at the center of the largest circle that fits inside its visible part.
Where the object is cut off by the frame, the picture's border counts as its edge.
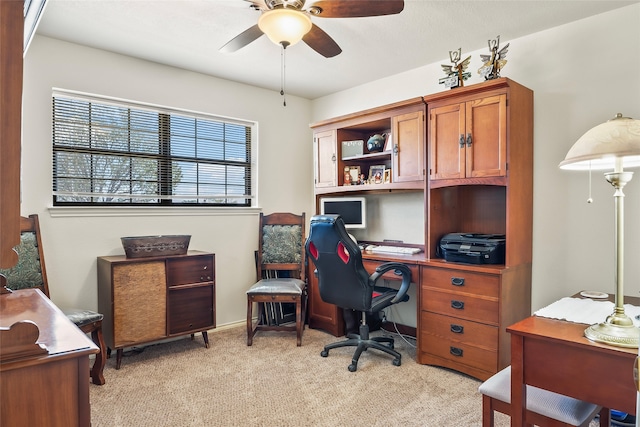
(395, 149)
(205, 267)
(469, 140)
(457, 281)
(458, 305)
(456, 351)
(461, 141)
(333, 157)
(457, 329)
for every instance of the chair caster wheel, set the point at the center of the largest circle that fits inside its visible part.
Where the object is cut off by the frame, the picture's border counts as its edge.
(396, 362)
(324, 353)
(353, 367)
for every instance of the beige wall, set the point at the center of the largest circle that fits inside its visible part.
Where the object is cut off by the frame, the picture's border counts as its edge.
(73, 239)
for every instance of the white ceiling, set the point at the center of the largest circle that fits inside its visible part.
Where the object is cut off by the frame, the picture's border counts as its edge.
(188, 33)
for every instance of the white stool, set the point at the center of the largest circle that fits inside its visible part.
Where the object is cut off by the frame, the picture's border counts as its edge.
(544, 408)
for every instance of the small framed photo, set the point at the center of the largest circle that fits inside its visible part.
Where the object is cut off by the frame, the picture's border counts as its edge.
(354, 171)
(387, 176)
(376, 174)
(351, 175)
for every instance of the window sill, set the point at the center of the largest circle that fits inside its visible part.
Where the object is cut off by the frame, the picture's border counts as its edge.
(125, 211)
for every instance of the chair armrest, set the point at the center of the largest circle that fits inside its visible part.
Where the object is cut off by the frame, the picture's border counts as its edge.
(398, 268)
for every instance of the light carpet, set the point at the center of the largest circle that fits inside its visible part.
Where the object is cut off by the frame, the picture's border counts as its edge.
(276, 383)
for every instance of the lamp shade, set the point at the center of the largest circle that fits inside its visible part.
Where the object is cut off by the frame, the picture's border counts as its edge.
(284, 26)
(617, 140)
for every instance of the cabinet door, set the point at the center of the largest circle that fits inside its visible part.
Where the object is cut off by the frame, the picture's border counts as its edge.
(408, 147)
(486, 137)
(324, 150)
(447, 133)
(191, 308)
(139, 303)
(322, 315)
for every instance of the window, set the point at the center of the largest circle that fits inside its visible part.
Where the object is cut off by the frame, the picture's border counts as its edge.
(117, 154)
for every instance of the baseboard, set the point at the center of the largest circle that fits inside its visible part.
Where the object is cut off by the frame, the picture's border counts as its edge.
(403, 329)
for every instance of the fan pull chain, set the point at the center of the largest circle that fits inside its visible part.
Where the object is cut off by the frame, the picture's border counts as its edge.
(590, 199)
(283, 58)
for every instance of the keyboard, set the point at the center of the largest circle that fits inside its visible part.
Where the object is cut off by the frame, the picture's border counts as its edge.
(401, 250)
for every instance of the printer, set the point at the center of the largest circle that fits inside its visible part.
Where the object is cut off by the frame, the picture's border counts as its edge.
(472, 248)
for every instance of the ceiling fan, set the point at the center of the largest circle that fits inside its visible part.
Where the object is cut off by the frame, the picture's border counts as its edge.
(311, 34)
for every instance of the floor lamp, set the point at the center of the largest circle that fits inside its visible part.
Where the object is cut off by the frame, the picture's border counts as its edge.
(614, 145)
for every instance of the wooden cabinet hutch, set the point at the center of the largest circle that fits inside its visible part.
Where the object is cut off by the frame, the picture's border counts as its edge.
(477, 143)
(149, 299)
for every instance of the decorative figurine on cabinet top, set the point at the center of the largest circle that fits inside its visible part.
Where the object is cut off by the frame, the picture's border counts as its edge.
(456, 74)
(492, 64)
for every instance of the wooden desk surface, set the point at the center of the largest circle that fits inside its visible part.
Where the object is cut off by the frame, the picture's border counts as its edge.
(59, 378)
(555, 355)
(59, 335)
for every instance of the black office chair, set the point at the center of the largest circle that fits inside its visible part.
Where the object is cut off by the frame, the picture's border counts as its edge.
(343, 281)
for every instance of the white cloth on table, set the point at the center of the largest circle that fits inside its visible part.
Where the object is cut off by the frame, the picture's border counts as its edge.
(585, 310)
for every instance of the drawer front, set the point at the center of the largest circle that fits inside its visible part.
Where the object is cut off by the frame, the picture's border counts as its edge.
(460, 306)
(454, 329)
(461, 281)
(458, 352)
(192, 269)
(191, 309)
(371, 266)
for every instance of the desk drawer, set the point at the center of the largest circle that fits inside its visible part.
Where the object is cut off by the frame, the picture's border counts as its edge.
(454, 329)
(460, 306)
(459, 353)
(192, 269)
(461, 281)
(371, 266)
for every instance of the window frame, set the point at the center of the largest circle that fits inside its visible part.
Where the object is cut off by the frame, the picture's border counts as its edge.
(162, 200)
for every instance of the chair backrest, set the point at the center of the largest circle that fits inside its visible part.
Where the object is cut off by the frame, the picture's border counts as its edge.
(342, 279)
(281, 246)
(30, 271)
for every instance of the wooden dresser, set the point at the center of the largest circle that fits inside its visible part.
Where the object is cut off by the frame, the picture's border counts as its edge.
(50, 388)
(149, 299)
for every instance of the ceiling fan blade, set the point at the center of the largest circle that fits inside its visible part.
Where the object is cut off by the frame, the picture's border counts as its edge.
(242, 39)
(258, 4)
(357, 9)
(321, 42)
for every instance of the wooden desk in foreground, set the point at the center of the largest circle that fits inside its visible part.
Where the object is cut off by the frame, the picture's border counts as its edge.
(52, 388)
(555, 355)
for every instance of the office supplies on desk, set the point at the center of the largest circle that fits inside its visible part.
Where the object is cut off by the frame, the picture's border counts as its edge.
(401, 250)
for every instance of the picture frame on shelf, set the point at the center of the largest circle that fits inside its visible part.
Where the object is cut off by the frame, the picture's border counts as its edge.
(376, 174)
(388, 145)
(354, 171)
(352, 175)
(387, 176)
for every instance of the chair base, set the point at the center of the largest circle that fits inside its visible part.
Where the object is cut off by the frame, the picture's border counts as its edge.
(363, 342)
(252, 328)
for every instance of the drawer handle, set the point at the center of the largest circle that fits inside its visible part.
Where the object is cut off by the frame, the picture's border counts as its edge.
(457, 329)
(457, 281)
(205, 278)
(456, 351)
(458, 305)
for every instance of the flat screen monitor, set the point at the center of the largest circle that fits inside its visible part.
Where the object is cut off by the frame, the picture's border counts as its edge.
(353, 210)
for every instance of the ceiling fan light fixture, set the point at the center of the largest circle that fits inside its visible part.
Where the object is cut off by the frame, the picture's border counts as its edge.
(284, 26)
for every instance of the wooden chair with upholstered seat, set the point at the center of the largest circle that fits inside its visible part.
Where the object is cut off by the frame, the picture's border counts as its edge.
(30, 272)
(280, 269)
(544, 408)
